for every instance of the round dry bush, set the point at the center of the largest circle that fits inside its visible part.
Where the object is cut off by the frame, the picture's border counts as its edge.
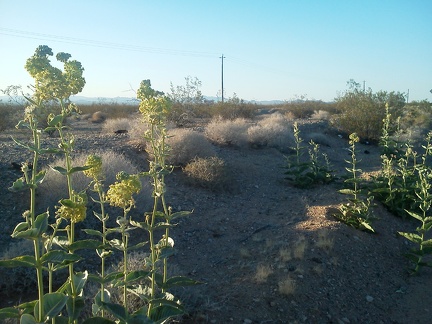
(98, 117)
(117, 125)
(321, 115)
(186, 144)
(272, 131)
(228, 132)
(209, 173)
(54, 186)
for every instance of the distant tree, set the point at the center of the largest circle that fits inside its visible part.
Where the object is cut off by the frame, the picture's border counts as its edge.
(188, 94)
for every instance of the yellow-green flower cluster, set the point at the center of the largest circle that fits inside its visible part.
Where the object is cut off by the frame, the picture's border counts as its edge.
(353, 138)
(75, 211)
(120, 193)
(76, 214)
(154, 110)
(95, 163)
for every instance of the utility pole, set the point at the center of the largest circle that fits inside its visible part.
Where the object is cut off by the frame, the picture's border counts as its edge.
(364, 86)
(407, 96)
(222, 57)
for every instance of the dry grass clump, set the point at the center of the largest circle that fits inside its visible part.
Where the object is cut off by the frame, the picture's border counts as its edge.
(115, 125)
(136, 131)
(287, 287)
(262, 273)
(299, 248)
(285, 254)
(324, 241)
(228, 132)
(54, 186)
(209, 173)
(98, 117)
(186, 144)
(321, 115)
(272, 131)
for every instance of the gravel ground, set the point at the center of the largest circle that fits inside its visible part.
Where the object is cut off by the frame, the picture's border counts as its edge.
(265, 251)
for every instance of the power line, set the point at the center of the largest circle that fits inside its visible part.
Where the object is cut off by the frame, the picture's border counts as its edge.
(102, 44)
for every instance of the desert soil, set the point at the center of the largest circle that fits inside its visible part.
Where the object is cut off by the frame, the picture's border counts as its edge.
(266, 252)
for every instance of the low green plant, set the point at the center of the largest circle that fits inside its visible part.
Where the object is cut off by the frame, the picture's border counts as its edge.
(357, 212)
(424, 245)
(304, 174)
(397, 182)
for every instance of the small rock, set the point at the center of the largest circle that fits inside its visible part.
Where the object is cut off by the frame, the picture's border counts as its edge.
(247, 321)
(369, 299)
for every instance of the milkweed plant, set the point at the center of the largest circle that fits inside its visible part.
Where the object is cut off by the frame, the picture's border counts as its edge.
(53, 233)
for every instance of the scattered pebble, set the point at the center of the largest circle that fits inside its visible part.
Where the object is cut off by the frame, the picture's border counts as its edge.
(369, 298)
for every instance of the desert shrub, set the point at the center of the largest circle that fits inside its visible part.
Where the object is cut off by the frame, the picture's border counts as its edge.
(228, 132)
(362, 112)
(321, 115)
(416, 119)
(136, 131)
(186, 144)
(305, 108)
(209, 173)
(182, 115)
(55, 186)
(233, 109)
(187, 102)
(10, 115)
(272, 131)
(12, 109)
(114, 125)
(109, 109)
(98, 117)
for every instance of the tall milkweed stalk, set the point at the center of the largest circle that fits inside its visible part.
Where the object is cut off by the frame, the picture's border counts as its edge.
(357, 211)
(424, 199)
(155, 108)
(48, 107)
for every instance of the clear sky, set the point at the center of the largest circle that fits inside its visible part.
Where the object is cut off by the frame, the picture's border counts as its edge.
(274, 49)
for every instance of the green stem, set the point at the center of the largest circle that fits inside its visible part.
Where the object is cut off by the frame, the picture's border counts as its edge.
(125, 267)
(37, 243)
(103, 243)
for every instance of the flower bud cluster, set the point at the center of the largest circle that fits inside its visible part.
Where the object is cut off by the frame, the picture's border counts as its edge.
(120, 193)
(95, 163)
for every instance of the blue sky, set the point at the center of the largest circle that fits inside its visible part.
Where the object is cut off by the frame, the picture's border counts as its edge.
(274, 49)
